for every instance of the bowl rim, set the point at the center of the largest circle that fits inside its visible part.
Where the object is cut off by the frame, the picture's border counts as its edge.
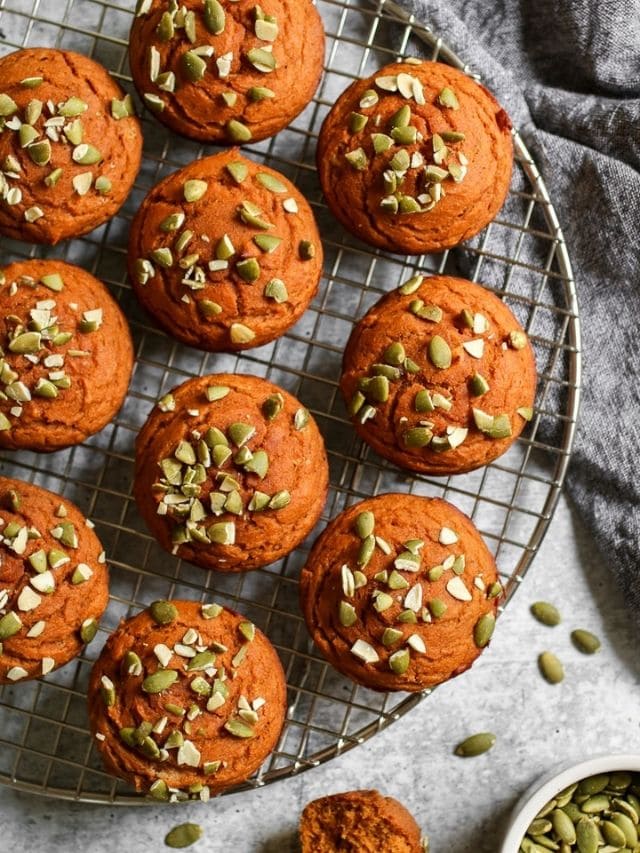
(545, 787)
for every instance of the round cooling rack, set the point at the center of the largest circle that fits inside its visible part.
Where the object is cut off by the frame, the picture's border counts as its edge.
(45, 746)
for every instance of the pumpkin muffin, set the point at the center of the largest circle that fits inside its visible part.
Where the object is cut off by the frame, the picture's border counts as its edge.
(362, 821)
(231, 472)
(225, 71)
(71, 145)
(439, 377)
(225, 253)
(53, 581)
(186, 700)
(65, 355)
(400, 592)
(416, 158)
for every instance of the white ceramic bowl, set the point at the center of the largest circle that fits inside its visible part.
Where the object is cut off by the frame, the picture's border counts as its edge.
(545, 789)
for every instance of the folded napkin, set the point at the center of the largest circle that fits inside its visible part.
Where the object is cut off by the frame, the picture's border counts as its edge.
(568, 72)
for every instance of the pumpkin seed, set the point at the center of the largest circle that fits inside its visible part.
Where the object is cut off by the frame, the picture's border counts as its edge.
(163, 612)
(214, 16)
(563, 826)
(585, 641)
(546, 613)
(475, 745)
(183, 835)
(439, 352)
(365, 524)
(587, 836)
(399, 661)
(194, 190)
(160, 680)
(484, 629)
(551, 667)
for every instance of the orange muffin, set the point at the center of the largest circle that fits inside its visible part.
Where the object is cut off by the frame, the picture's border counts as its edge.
(416, 158)
(439, 377)
(66, 355)
(225, 253)
(226, 71)
(359, 821)
(54, 582)
(186, 700)
(231, 472)
(400, 592)
(71, 145)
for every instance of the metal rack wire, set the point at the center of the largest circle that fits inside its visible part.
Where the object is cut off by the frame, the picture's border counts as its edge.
(45, 746)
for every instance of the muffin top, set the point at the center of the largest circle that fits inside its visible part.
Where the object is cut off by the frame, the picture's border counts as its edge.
(65, 355)
(186, 698)
(365, 820)
(71, 145)
(53, 581)
(225, 253)
(439, 376)
(226, 71)
(231, 472)
(416, 158)
(400, 592)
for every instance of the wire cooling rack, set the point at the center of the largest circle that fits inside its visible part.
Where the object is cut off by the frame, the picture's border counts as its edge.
(45, 746)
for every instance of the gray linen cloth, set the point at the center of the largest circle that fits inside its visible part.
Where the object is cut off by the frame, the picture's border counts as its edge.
(568, 72)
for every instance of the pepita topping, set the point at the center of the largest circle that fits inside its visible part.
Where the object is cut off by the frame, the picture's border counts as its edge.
(39, 563)
(244, 253)
(38, 346)
(445, 412)
(179, 701)
(214, 478)
(54, 138)
(391, 591)
(415, 167)
(191, 48)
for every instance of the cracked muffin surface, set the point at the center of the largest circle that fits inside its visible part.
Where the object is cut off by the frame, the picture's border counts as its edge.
(227, 71)
(70, 148)
(225, 253)
(400, 592)
(231, 472)
(67, 355)
(439, 376)
(54, 582)
(416, 158)
(186, 700)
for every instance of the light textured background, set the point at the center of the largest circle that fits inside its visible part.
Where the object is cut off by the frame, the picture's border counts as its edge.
(463, 804)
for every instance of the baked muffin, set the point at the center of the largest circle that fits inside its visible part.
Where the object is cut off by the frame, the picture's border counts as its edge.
(362, 821)
(71, 145)
(65, 355)
(53, 581)
(226, 71)
(416, 158)
(439, 377)
(231, 472)
(225, 254)
(400, 592)
(186, 699)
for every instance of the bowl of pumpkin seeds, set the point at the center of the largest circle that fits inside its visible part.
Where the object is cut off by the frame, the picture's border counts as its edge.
(591, 807)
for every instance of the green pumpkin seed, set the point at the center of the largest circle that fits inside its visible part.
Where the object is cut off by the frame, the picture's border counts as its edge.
(194, 190)
(539, 826)
(260, 93)
(365, 524)
(214, 17)
(551, 668)
(347, 614)
(563, 826)
(593, 784)
(439, 352)
(623, 822)
(238, 171)
(10, 624)
(248, 270)
(88, 630)
(239, 729)
(585, 641)
(271, 183)
(163, 612)
(183, 835)
(484, 629)
(448, 98)
(587, 836)
(399, 661)
(595, 804)
(417, 437)
(475, 745)
(160, 680)
(366, 550)
(546, 613)
(613, 834)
